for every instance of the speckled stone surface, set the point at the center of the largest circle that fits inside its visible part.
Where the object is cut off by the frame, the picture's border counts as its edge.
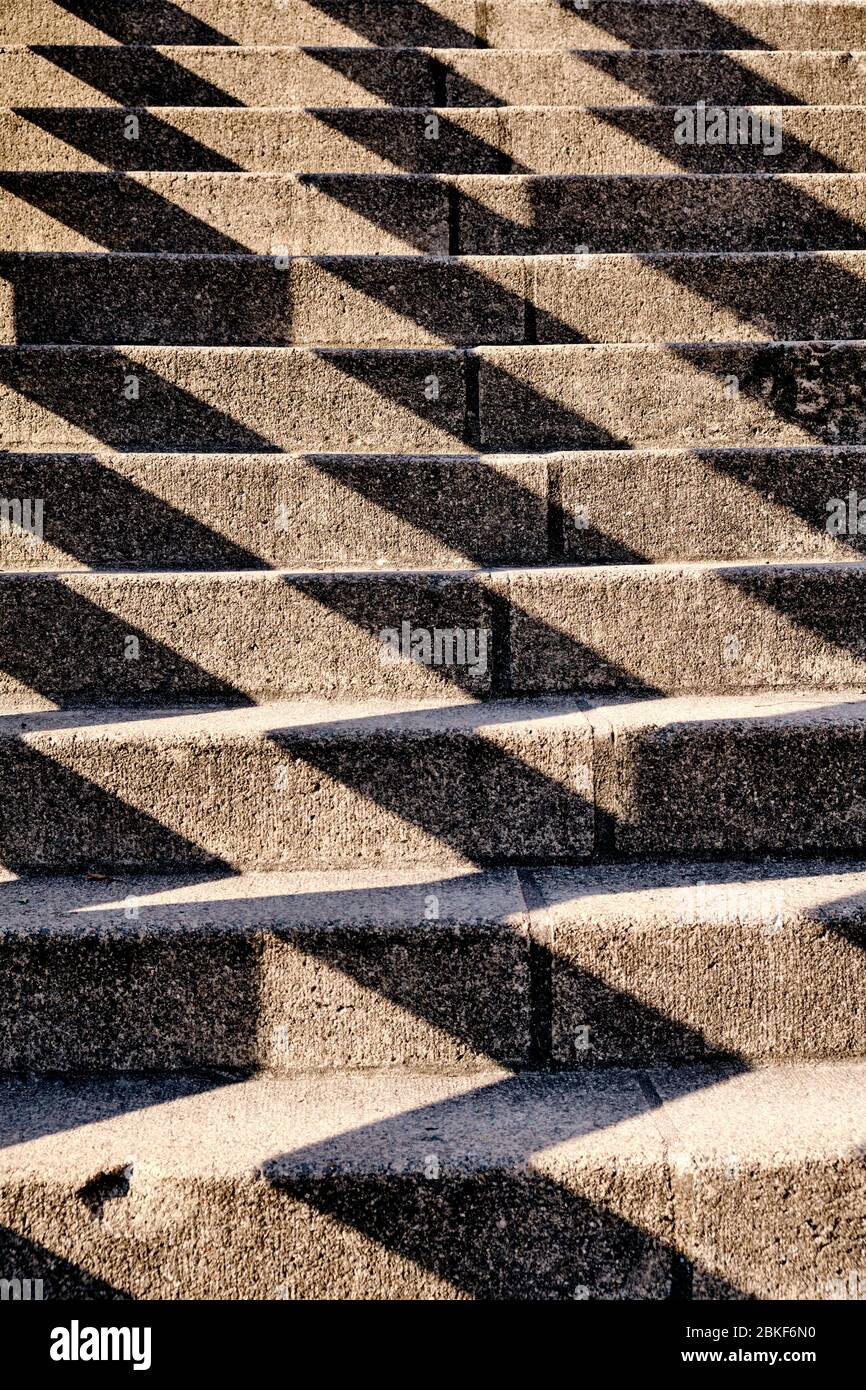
(535, 973)
(422, 1186)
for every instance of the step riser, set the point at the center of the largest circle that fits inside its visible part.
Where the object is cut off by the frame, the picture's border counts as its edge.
(749, 784)
(290, 798)
(240, 511)
(415, 302)
(131, 975)
(614, 140)
(393, 214)
(578, 397)
(664, 630)
(678, 960)
(127, 638)
(716, 505)
(295, 798)
(345, 303)
(95, 76)
(620, 79)
(529, 398)
(264, 637)
(446, 24)
(274, 511)
(251, 399)
(91, 76)
(426, 971)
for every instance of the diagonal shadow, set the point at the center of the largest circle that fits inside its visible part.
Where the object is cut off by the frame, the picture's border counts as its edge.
(152, 78)
(510, 1233)
(384, 24)
(131, 24)
(98, 132)
(118, 212)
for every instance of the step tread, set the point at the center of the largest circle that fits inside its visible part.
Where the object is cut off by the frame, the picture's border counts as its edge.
(639, 896)
(568, 573)
(313, 1126)
(29, 721)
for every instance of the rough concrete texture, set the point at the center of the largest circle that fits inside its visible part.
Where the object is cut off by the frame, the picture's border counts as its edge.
(601, 77)
(81, 637)
(78, 638)
(720, 24)
(327, 511)
(385, 301)
(677, 960)
(329, 785)
(376, 301)
(285, 971)
(296, 785)
(183, 75)
(370, 401)
(278, 511)
(219, 214)
(334, 1185)
(715, 504)
(665, 961)
(673, 212)
(757, 774)
(502, 140)
(407, 307)
(696, 298)
(389, 214)
(670, 24)
(611, 395)
(232, 398)
(343, 22)
(129, 75)
(687, 627)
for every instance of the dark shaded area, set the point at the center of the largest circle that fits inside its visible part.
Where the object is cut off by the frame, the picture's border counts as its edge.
(119, 213)
(499, 1231)
(98, 132)
(80, 388)
(144, 21)
(139, 76)
(92, 500)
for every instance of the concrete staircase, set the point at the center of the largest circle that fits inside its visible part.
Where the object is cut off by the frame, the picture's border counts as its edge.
(432, 650)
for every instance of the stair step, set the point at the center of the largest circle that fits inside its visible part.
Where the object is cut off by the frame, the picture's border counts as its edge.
(605, 965)
(500, 140)
(389, 214)
(242, 511)
(423, 400)
(251, 399)
(681, 394)
(298, 785)
(780, 24)
(791, 24)
(330, 511)
(270, 214)
(684, 627)
(376, 1186)
(379, 22)
(602, 76)
(384, 301)
(352, 301)
(709, 504)
(321, 786)
(85, 637)
(278, 214)
(756, 774)
(143, 75)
